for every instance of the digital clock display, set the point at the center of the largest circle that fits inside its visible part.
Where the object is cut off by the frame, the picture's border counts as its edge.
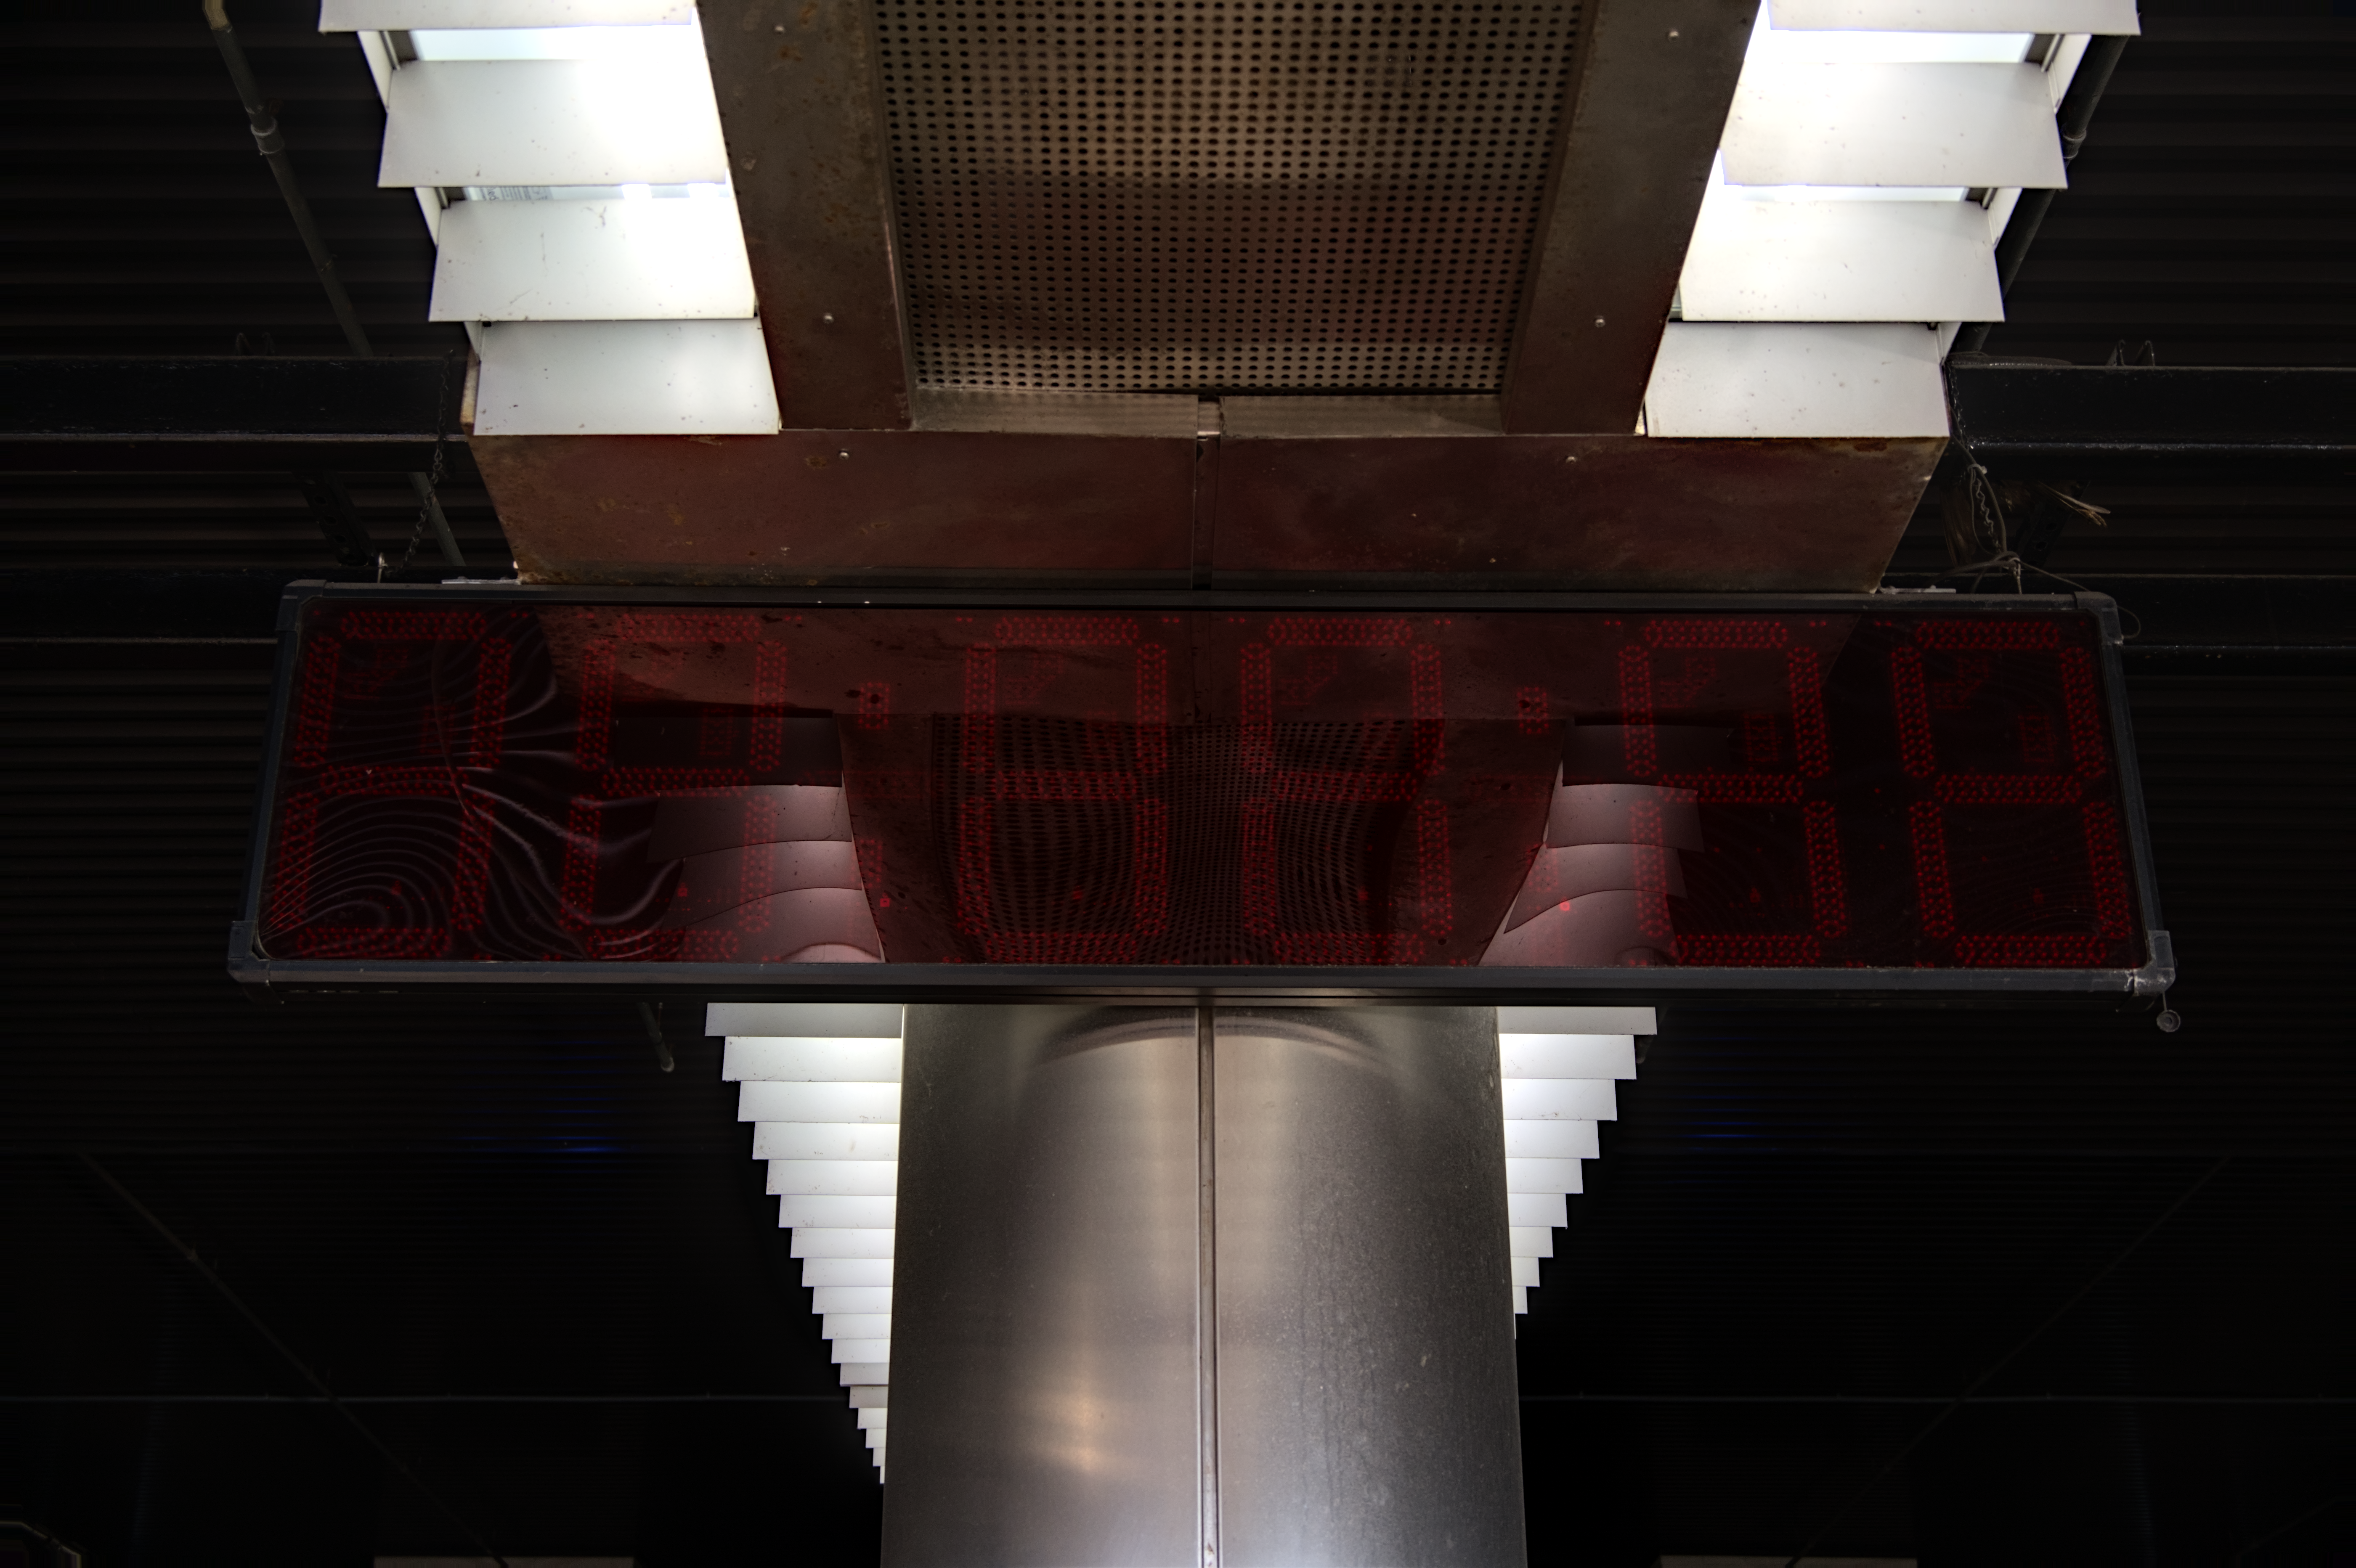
(467, 778)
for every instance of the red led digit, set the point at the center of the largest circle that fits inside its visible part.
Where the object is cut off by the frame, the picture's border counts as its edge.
(1305, 785)
(594, 752)
(1148, 819)
(1748, 950)
(1738, 789)
(1975, 643)
(2104, 868)
(1435, 871)
(1045, 783)
(1636, 713)
(1255, 685)
(1826, 889)
(1935, 895)
(874, 705)
(2086, 725)
(687, 626)
(973, 868)
(445, 779)
(322, 653)
(1338, 632)
(1982, 636)
(1913, 709)
(1258, 835)
(580, 832)
(2030, 951)
(1149, 844)
(1653, 921)
(596, 719)
(1712, 634)
(1530, 715)
(1430, 708)
(1066, 632)
(977, 743)
(767, 745)
(1754, 786)
(1259, 847)
(1809, 746)
(1152, 708)
(2007, 789)
(290, 873)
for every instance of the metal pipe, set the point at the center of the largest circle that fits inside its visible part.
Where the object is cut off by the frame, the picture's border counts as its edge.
(2077, 116)
(272, 144)
(1201, 1285)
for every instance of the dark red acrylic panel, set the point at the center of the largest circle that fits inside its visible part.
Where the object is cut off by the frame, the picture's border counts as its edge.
(542, 782)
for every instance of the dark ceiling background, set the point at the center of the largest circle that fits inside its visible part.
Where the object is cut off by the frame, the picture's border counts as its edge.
(547, 1269)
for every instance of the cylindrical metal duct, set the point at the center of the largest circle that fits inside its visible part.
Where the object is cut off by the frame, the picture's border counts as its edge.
(1085, 1191)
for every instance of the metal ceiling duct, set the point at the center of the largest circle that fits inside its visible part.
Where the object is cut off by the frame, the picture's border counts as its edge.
(1237, 195)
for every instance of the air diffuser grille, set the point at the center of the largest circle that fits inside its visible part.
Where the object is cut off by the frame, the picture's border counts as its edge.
(1220, 195)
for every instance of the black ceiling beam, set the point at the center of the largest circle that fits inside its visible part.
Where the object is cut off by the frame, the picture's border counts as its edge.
(2027, 419)
(379, 415)
(59, 415)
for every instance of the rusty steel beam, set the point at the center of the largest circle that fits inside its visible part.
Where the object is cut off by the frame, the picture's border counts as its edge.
(827, 506)
(951, 506)
(1605, 512)
(1632, 158)
(801, 107)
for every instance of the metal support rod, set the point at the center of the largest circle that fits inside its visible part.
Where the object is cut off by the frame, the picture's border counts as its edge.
(1988, 1376)
(317, 1384)
(2077, 116)
(272, 144)
(1206, 1295)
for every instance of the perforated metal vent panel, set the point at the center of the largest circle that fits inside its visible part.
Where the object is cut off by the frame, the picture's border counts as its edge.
(1220, 195)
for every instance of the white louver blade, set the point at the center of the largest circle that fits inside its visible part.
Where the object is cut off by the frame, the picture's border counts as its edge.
(1958, 16)
(568, 158)
(1839, 261)
(1936, 125)
(1557, 1070)
(1754, 380)
(1872, 156)
(550, 123)
(593, 261)
(820, 1083)
(401, 15)
(625, 378)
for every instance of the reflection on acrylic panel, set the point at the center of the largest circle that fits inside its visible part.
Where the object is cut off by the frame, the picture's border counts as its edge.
(551, 782)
